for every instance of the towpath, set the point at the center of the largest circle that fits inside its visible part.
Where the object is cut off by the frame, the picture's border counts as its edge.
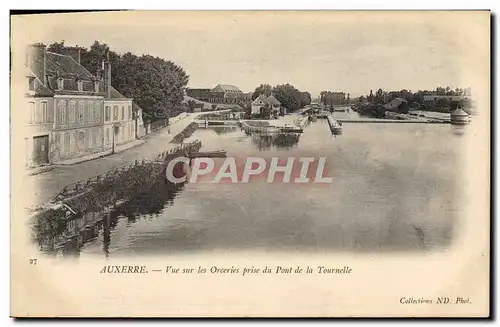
(49, 184)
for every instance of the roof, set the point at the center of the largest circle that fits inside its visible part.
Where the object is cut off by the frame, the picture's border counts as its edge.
(395, 103)
(40, 88)
(66, 66)
(117, 95)
(226, 88)
(197, 89)
(270, 100)
(188, 98)
(459, 113)
(273, 101)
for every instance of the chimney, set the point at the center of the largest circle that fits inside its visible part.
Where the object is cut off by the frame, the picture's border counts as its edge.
(107, 76)
(37, 60)
(73, 52)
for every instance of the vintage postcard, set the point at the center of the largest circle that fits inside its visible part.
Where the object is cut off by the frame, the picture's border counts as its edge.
(250, 164)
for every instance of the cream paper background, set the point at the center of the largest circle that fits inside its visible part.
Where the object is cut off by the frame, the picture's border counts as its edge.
(377, 282)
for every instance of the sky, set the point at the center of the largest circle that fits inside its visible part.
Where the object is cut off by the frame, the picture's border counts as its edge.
(353, 52)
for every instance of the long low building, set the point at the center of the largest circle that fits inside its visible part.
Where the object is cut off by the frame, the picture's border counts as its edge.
(220, 94)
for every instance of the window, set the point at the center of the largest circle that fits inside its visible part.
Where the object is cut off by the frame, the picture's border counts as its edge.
(90, 111)
(98, 140)
(123, 112)
(38, 113)
(44, 112)
(81, 112)
(95, 139)
(32, 112)
(90, 138)
(60, 83)
(72, 143)
(81, 140)
(115, 112)
(107, 113)
(97, 111)
(61, 109)
(129, 112)
(61, 142)
(66, 142)
(71, 111)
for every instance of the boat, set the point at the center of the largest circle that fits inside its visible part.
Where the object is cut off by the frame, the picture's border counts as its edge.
(313, 118)
(209, 154)
(291, 129)
(336, 130)
(335, 127)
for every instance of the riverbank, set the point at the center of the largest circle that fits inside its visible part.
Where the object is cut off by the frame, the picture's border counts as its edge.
(89, 200)
(46, 185)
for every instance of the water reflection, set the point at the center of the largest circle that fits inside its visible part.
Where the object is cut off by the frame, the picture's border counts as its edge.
(147, 204)
(280, 141)
(459, 130)
(385, 195)
(220, 130)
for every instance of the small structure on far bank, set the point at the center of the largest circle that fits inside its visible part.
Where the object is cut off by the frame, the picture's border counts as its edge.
(459, 117)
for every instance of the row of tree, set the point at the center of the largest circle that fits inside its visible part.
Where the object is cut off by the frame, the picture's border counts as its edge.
(440, 103)
(157, 85)
(288, 95)
(382, 96)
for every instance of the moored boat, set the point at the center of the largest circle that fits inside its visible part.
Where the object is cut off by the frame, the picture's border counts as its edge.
(291, 129)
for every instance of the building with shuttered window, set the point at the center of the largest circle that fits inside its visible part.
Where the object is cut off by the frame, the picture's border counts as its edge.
(65, 104)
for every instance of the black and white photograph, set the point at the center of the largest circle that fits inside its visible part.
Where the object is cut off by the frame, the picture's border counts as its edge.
(151, 135)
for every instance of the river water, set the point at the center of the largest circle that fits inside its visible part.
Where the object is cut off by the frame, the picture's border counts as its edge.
(395, 187)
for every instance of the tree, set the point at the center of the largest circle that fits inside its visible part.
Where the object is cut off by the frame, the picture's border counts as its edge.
(379, 96)
(306, 99)
(289, 96)
(248, 112)
(440, 91)
(56, 47)
(264, 89)
(442, 103)
(155, 84)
